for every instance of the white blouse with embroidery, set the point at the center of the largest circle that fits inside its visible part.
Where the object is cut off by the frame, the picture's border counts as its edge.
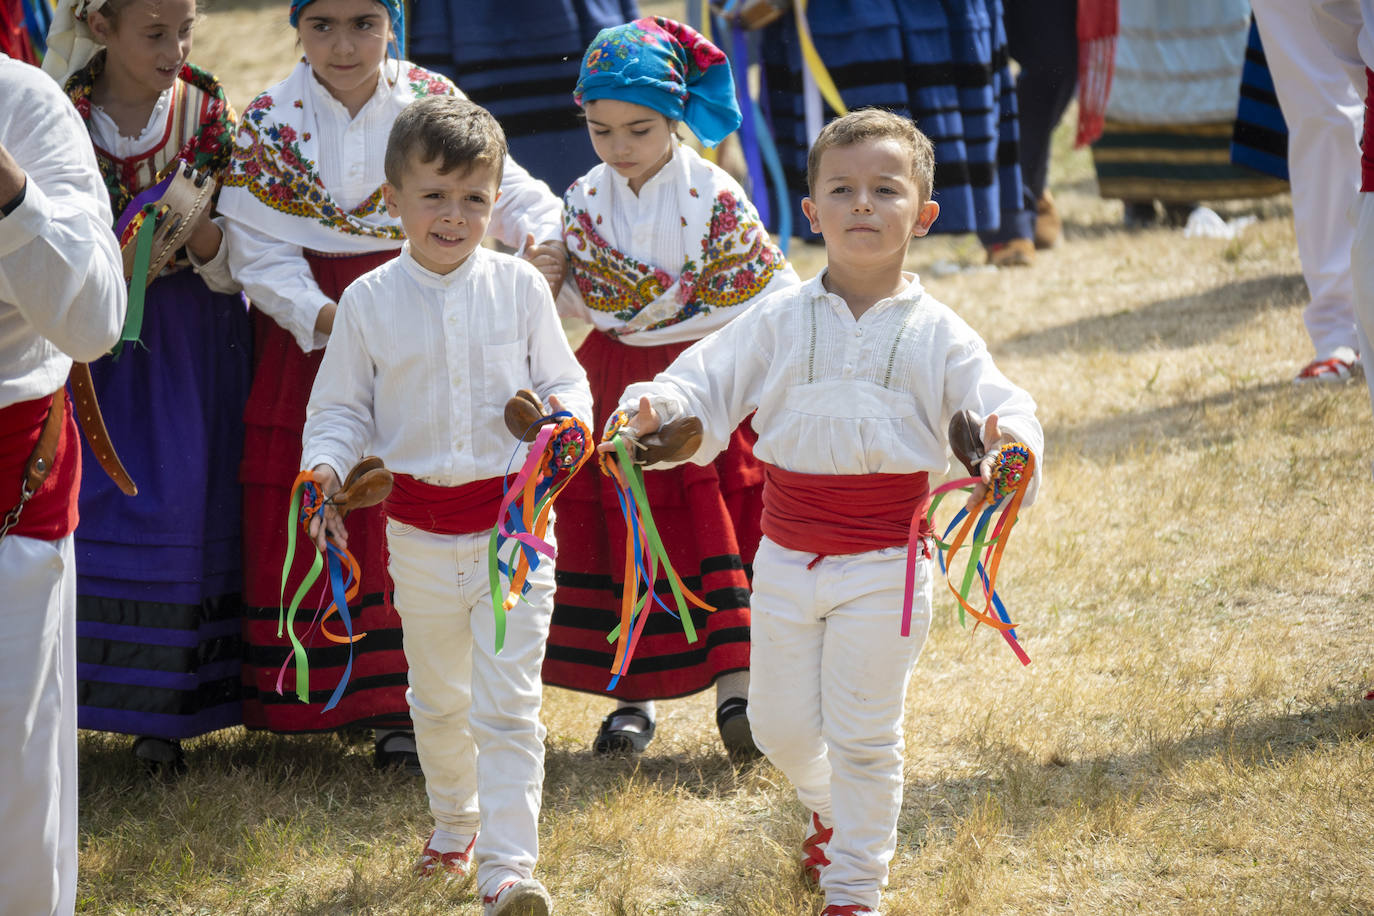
(836, 395)
(672, 263)
(351, 154)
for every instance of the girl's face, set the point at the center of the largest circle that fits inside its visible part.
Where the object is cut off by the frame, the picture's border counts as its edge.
(345, 42)
(146, 43)
(634, 140)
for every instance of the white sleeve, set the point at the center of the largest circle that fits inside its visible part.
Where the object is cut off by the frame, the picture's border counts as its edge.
(1345, 25)
(526, 207)
(60, 264)
(277, 279)
(339, 423)
(554, 368)
(215, 272)
(718, 380)
(973, 382)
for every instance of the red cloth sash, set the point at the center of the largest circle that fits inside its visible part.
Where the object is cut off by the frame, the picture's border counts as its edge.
(1098, 23)
(51, 513)
(466, 509)
(828, 514)
(1367, 147)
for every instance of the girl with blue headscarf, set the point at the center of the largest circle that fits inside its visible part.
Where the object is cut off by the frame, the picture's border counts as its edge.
(665, 248)
(306, 218)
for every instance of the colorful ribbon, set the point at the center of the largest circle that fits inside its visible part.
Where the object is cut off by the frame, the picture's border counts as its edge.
(1013, 472)
(644, 554)
(755, 136)
(814, 64)
(307, 501)
(558, 452)
(138, 280)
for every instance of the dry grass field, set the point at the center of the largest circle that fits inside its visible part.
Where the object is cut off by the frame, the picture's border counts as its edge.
(1194, 588)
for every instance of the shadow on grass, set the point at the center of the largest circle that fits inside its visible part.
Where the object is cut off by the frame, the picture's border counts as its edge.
(1193, 425)
(1032, 791)
(1180, 321)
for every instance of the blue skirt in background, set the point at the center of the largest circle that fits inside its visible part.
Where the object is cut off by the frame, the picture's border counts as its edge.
(520, 59)
(159, 647)
(941, 62)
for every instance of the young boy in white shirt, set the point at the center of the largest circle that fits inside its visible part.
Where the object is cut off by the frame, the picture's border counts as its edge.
(424, 354)
(854, 377)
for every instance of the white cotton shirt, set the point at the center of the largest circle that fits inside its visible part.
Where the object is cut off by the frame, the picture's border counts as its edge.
(835, 395)
(352, 154)
(420, 367)
(62, 294)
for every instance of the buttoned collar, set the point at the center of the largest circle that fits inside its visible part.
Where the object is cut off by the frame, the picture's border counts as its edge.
(443, 282)
(662, 177)
(910, 295)
(324, 99)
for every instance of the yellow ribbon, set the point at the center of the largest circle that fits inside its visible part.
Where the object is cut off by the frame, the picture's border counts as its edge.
(813, 61)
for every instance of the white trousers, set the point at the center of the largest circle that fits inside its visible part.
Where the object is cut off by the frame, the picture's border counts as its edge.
(476, 713)
(1362, 262)
(38, 722)
(1325, 116)
(829, 672)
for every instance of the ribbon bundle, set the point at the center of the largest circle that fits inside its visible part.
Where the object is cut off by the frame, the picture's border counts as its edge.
(307, 501)
(1013, 471)
(644, 554)
(558, 452)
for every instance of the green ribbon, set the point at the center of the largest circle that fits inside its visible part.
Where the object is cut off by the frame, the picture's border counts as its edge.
(286, 617)
(634, 478)
(138, 282)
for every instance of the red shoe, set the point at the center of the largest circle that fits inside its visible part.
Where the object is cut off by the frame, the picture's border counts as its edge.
(813, 850)
(1334, 369)
(525, 897)
(848, 909)
(432, 862)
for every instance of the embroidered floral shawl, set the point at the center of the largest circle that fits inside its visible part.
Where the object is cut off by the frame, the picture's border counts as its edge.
(199, 130)
(728, 258)
(273, 185)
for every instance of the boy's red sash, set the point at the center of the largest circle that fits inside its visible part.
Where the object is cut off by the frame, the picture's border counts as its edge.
(831, 514)
(465, 509)
(50, 514)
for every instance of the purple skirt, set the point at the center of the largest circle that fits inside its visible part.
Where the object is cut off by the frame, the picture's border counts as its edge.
(158, 574)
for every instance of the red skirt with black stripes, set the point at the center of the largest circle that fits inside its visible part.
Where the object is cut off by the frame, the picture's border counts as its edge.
(708, 518)
(274, 419)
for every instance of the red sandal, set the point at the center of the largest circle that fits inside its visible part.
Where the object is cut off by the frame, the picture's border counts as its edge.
(813, 850)
(1334, 369)
(433, 862)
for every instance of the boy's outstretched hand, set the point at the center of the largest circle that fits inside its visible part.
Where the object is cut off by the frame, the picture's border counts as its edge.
(327, 523)
(643, 421)
(993, 440)
(551, 258)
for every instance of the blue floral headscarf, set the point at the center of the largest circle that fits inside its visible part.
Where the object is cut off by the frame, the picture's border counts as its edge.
(396, 9)
(666, 66)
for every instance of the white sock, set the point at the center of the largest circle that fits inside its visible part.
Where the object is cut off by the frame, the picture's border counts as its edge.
(633, 721)
(443, 841)
(732, 685)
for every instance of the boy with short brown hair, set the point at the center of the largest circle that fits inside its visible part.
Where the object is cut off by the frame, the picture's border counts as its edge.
(424, 354)
(852, 378)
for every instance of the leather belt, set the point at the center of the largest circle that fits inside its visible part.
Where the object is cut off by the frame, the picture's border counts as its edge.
(93, 426)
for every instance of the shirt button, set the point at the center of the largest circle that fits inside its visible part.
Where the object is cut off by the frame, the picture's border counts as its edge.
(858, 332)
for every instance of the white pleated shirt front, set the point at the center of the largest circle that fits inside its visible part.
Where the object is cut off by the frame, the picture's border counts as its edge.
(420, 366)
(836, 395)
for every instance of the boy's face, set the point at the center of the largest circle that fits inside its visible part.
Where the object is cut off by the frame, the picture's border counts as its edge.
(867, 204)
(445, 216)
